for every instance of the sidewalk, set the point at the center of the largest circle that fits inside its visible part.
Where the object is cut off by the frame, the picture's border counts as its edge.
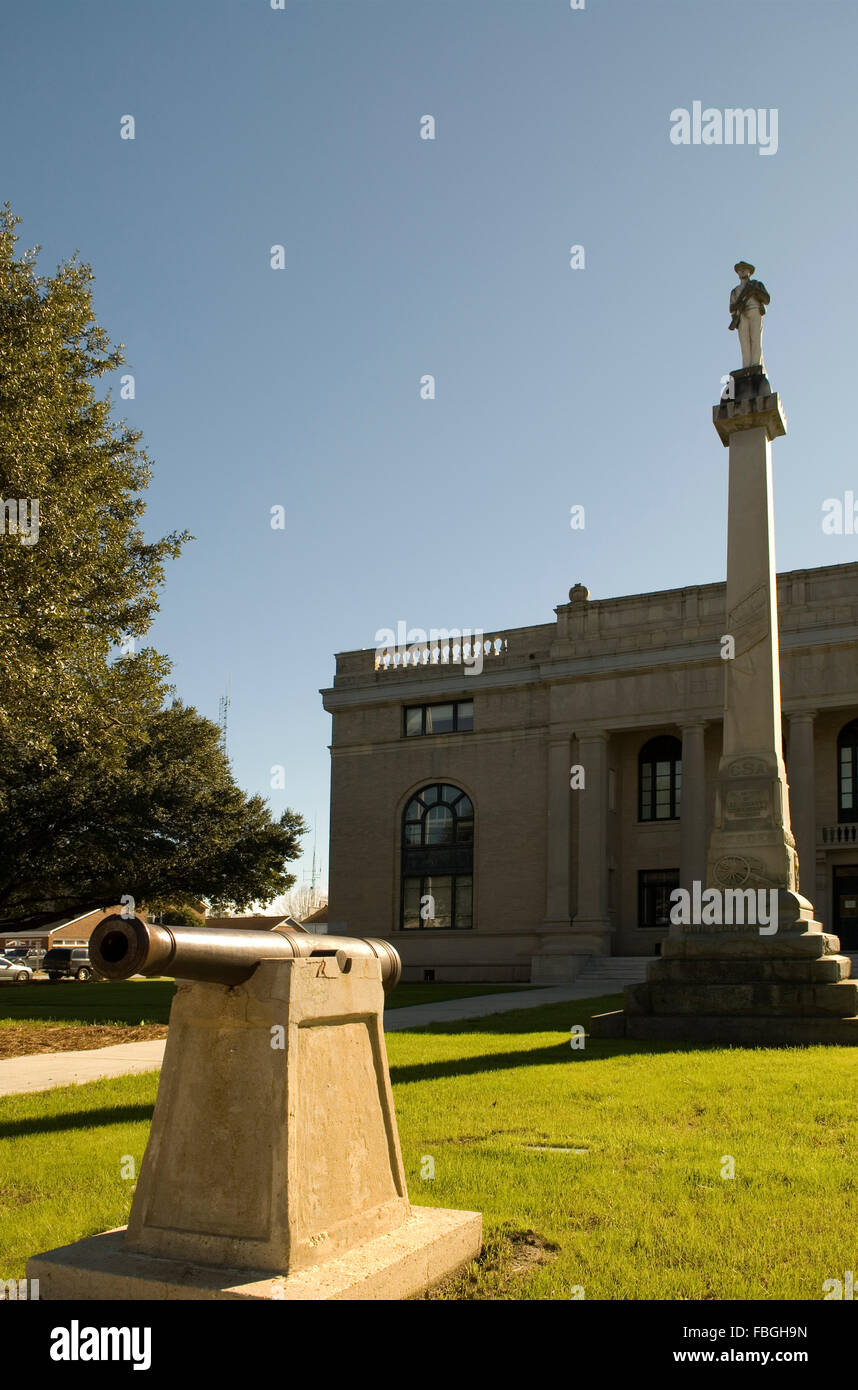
(46, 1069)
(41, 1072)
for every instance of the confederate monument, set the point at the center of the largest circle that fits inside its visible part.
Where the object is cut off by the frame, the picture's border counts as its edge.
(724, 977)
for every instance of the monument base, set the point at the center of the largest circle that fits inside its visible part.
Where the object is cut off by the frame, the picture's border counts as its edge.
(432, 1245)
(714, 987)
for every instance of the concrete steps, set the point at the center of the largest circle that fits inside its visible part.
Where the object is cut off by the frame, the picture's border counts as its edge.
(614, 972)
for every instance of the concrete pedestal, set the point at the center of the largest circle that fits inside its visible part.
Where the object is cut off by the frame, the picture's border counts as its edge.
(430, 1245)
(273, 1158)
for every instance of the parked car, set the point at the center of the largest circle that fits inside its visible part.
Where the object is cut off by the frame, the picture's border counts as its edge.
(14, 970)
(26, 955)
(69, 962)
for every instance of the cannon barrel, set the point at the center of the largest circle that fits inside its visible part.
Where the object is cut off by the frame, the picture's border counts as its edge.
(121, 947)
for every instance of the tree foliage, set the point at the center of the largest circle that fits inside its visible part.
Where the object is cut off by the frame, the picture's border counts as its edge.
(91, 579)
(169, 827)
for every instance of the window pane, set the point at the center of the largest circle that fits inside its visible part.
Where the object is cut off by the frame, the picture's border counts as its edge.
(439, 826)
(411, 903)
(465, 715)
(464, 901)
(414, 721)
(465, 831)
(441, 890)
(450, 794)
(439, 719)
(411, 834)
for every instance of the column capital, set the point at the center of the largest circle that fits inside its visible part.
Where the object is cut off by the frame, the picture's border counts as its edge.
(796, 716)
(689, 724)
(754, 406)
(593, 735)
(559, 736)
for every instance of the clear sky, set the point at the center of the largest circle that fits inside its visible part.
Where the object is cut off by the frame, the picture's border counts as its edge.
(555, 387)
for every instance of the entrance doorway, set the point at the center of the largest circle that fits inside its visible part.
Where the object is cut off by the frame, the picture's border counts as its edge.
(846, 906)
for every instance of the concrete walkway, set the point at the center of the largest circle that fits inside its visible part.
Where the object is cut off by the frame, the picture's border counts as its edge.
(395, 1020)
(20, 1075)
(47, 1069)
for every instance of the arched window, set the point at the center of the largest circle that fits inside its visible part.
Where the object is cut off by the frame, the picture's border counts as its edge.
(660, 779)
(438, 859)
(847, 772)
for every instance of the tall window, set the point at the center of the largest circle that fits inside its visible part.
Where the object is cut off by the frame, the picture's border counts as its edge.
(654, 889)
(847, 773)
(660, 779)
(438, 859)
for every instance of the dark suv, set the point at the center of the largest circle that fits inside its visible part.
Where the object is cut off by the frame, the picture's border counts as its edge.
(69, 962)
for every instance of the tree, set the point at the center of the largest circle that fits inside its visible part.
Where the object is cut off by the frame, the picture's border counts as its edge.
(168, 828)
(89, 579)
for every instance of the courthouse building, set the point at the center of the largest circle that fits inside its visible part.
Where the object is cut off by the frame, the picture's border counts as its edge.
(460, 829)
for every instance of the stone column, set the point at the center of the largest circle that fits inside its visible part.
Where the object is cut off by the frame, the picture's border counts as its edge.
(557, 853)
(692, 815)
(802, 788)
(592, 813)
(751, 844)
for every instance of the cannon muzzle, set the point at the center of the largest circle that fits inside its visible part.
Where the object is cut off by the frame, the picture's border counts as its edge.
(121, 947)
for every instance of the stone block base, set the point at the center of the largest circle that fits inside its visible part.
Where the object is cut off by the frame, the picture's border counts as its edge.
(743, 1032)
(432, 1245)
(791, 988)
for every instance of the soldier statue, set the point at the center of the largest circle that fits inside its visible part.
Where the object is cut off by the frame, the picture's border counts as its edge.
(747, 305)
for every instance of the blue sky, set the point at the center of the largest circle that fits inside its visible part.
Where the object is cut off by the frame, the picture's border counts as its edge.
(300, 388)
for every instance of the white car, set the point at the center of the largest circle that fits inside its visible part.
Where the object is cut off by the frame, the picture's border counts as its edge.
(14, 970)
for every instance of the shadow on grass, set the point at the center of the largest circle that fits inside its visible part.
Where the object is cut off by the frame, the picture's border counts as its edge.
(75, 1119)
(559, 1053)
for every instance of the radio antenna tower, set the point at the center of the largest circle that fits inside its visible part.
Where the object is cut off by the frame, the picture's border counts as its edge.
(223, 716)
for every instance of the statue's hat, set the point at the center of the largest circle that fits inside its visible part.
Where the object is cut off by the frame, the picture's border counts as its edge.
(744, 265)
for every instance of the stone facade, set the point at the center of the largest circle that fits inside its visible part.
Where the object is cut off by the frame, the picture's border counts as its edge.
(556, 870)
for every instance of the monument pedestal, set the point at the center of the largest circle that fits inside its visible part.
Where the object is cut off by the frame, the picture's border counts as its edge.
(273, 1168)
(733, 987)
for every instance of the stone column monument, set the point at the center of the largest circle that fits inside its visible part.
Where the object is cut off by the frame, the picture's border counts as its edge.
(729, 972)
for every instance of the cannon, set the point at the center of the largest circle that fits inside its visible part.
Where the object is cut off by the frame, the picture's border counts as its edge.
(273, 1168)
(121, 947)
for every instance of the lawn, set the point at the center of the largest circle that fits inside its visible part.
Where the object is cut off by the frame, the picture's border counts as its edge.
(148, 1001)
(638, 1210)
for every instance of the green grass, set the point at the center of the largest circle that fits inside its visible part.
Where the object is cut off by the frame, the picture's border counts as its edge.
(643, 1213)
(125, 1001)
(148, 1001)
